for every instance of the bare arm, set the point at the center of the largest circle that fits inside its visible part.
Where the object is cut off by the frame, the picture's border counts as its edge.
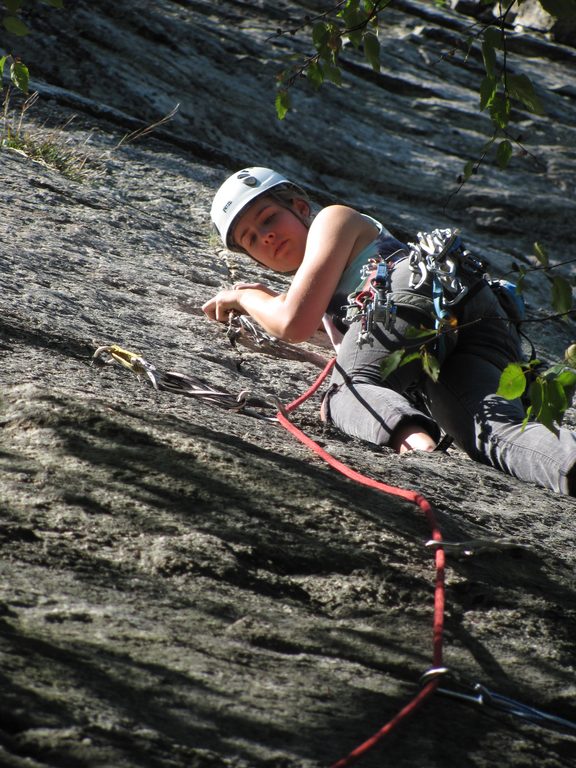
(336, 235)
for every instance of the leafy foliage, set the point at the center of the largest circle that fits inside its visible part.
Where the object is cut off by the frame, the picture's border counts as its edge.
(13, 136)
(357, 23)
(19, 74)
(16, 27)
(392, 362)
(562, 299)
(350, 21)
(550, 392)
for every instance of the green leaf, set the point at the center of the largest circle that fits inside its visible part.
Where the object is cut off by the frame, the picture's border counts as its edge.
(431, 365)
(557, 399)
(419, 333)
(546, 416)
(489, 56)
(20, 75)
(468, 169)
(354, 21)
(561, 295)
(503, 153)
(554, 404)
(355, 37)
(410, 357)
(487, 92)
(372, 50)
(332, 73)
(494, 37)
(541, 255)
(283, 104)
(348, 9)
(533, 364)
(328, 43)
(512, 382)
(315, 74)
(547, 403)
(500, 110)
(554, 371)
(561, 9)
(536, 396)
(520, 87)
(521, 279)
(2, 62)
(13, 6)
(567, 378)
(390, 363)
(320, 35)
(15, 26)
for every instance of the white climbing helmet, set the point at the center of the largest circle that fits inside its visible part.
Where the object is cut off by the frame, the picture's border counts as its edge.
(240, 189)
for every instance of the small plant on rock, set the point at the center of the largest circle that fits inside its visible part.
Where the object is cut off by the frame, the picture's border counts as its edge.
(49, 146)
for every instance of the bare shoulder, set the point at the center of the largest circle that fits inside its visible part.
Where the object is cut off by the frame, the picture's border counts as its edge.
(340, 216)
(343, 227)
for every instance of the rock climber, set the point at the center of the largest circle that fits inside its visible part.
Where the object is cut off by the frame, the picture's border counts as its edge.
(260, 212)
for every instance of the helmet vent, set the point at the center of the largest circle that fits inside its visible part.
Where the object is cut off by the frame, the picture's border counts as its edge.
(246, 178)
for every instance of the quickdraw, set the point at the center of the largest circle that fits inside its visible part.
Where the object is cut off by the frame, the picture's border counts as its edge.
(481, 696)
(185, 384)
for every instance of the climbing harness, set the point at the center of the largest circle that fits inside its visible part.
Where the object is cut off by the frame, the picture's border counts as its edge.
(480, 695)
(182, 384)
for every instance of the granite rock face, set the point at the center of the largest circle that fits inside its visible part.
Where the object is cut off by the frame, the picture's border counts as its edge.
(185, 586)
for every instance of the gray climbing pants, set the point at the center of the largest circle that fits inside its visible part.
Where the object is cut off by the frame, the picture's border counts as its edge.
(462, 402)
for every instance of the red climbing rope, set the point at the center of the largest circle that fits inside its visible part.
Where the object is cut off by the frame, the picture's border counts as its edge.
(425, 506)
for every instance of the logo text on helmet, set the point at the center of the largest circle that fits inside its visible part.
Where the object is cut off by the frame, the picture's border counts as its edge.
(228, 204)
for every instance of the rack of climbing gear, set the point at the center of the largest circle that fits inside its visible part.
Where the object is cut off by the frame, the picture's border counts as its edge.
(441, 256)
(481, 696)
(186, 384)
(438, 258)
(373, 303)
